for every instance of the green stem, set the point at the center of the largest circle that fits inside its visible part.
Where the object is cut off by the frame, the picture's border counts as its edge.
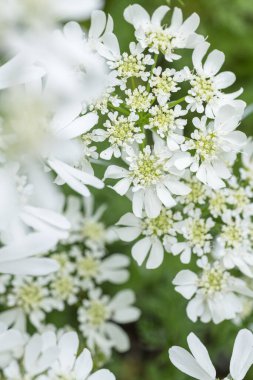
(119, 109)
(172, 104)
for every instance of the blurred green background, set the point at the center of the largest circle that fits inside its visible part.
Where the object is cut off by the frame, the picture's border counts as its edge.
(228, 24)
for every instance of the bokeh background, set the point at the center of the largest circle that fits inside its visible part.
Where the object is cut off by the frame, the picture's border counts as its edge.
(228, 24)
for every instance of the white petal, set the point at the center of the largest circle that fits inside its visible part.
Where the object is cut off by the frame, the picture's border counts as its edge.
(155, 258)
(152, 203)
(141, 249)
(129, 220)
(136, 15)
(115, 172)
(198, 54)
(214, 63)
(128, 233)
(102, 374)
(242, 356)
(32, 244)
(83, 365)
(98, 22)
(201, 355)
(79, 126)
(119, 337)
(165, 196)
(184, 361)
(224, 80)
(138, 201)
(17, 71)
(68, 346)
(159, 14)
(32, 267)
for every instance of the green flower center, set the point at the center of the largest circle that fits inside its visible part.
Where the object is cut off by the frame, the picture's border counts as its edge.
(204, 88)
(206, 146)
(29, 297)
(88, 267)
(97, 313)
(148, 171)
(93, 231)
(63, 287)
(158, 226)
(213, 280)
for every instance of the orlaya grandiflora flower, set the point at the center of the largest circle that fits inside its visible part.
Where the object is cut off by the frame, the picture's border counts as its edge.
(132, 65)
(198, 365)
(206, 84)
(86, 224)
(234, 244)
(155, 232)
(73, 70)
(214, 295)
(157, 38)
(99, 316)
(151, 178)
(70, 365)
(214, 144)
(17, 257)
(54, 139)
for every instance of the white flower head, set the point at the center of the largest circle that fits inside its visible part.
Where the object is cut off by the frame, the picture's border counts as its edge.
(206, 85)
(154, 234)
(214, 144)
(157, 38)
(215, 295)
(151, 179)
(98, 317)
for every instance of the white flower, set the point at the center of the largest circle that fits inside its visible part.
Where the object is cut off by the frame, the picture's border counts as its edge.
(120, 131)
(32, 296)
(95, 267)
(168, 124)
(97, 317)
(164, 83)
(132, 65)
(17, 258)
(206, 92)
(85, 223)
(196, 231)
(198, 365)
(150, 178)
(234, 245)
(213, 145)
(139, 99)
(157, 38)
(154, 230)
(71, 366)
(214, 295)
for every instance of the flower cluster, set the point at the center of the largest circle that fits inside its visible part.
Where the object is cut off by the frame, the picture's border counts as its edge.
(47, 356)
(171, 135)
(168, 136)
(76, 288)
